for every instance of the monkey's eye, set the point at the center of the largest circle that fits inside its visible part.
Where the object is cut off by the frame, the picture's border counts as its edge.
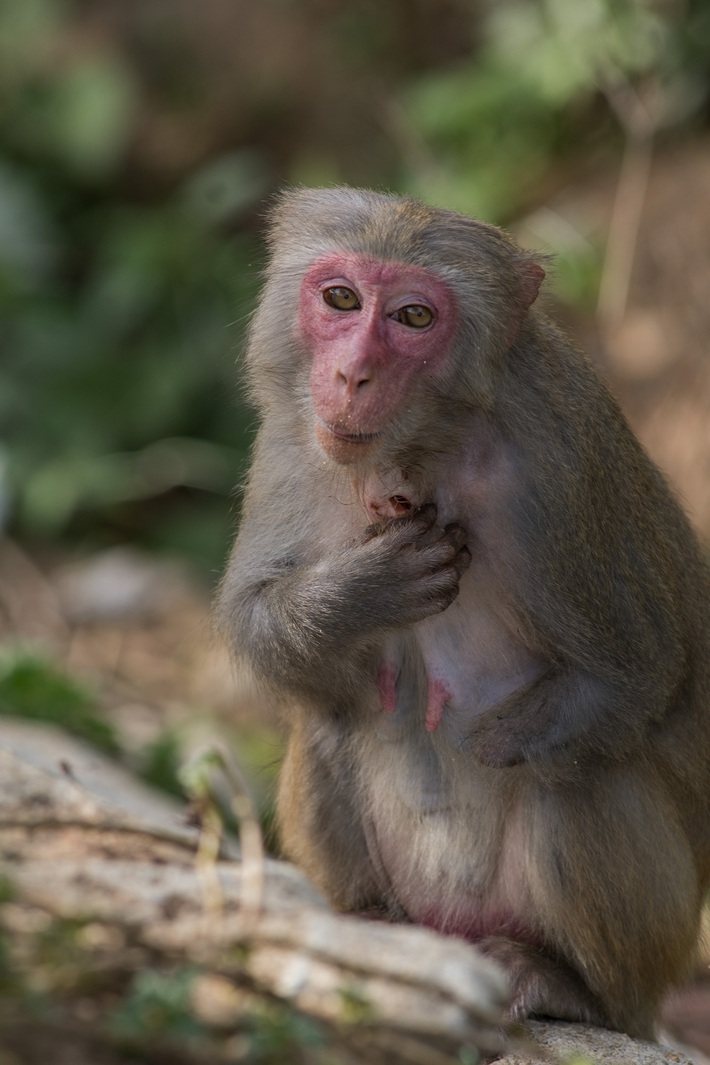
(342, 298)
(415, 315)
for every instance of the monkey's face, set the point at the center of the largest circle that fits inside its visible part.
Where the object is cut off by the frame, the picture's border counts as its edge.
(376, 330)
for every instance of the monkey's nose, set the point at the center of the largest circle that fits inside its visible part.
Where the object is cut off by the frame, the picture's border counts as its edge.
(353, 380)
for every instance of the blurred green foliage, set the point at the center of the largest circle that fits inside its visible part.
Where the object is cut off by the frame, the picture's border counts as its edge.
(158, 1005)
(161, 764)
(33, 688)
(280, 1034)
(136, 145)
(115, 314)
(539, 92)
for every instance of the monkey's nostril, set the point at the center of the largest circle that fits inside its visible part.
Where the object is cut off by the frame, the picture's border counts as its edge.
(354, 382)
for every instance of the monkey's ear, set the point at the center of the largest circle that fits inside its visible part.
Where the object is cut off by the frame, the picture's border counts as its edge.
(531, 275)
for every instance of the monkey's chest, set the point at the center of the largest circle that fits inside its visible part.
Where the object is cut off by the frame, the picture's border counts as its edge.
(452, 669)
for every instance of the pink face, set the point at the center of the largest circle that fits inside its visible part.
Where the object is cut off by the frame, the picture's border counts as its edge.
(374, 327)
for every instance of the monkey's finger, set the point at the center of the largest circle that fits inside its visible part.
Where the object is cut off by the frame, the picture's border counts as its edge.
(456, 535)
(452, 568)
(373, 531)
(414, 526)
(423, 526)
(442, 588)
(462, 561)
(424, 517)
(444, 550)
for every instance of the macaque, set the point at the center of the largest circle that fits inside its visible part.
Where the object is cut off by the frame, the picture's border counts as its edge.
(486, 617)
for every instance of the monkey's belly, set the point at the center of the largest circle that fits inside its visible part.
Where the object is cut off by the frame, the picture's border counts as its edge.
(448, 879)
(450, 838)
(450, 841)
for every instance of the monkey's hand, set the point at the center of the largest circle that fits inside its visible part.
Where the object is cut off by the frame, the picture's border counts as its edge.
(411, 567)
(310, 627)
(553, 725)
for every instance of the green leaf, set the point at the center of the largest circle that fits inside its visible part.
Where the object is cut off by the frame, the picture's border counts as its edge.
(33, 688)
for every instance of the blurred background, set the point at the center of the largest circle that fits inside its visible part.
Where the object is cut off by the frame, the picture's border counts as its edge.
(140, 141)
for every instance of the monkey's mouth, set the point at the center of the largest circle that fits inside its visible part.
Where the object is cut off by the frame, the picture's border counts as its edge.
(349, 438)
(344, 447)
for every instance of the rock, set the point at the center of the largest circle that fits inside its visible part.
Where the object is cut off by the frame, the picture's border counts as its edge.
(119, 584)
(79, 857)
(579, 1044)
(81, 841)
(88, 775)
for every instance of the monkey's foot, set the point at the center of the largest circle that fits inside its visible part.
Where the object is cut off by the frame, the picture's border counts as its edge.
(542, 986)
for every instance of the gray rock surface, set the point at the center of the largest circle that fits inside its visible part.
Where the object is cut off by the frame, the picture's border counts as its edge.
(302, 951)
(73, 762)
(579, 1044)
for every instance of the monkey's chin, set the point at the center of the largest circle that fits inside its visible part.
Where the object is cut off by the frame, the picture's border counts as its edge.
(347, 449)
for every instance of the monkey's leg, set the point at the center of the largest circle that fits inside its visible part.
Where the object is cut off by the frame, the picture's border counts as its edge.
(320, 823)
(615, 891)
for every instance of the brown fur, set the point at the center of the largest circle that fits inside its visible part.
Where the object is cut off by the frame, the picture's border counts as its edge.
(556, 811)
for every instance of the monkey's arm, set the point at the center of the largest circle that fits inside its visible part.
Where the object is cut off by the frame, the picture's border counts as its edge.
(599, 696)
(616, 661)
(598, 556)
(567, 712)
(304, 613)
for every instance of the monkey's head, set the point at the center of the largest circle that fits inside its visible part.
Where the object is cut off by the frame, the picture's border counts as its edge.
(378, 310)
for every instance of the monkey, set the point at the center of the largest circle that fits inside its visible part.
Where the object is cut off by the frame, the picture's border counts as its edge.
(485, 616)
